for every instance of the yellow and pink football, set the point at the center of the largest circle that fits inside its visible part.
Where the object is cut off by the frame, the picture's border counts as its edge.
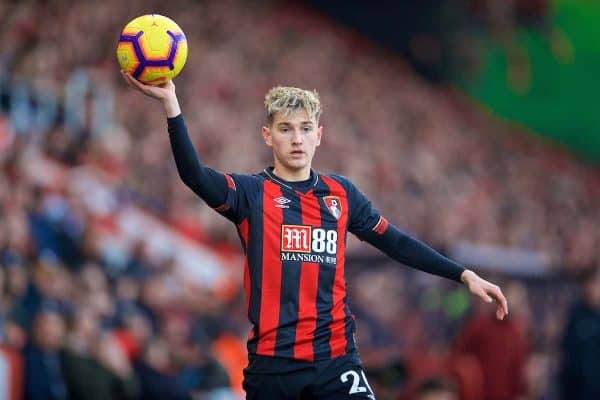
(152, 48)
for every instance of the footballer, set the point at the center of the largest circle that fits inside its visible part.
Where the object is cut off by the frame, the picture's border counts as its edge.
(293, 223)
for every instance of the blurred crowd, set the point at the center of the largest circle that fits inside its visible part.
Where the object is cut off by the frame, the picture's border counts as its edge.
(437, 166)
(443, 171)
(445, 40)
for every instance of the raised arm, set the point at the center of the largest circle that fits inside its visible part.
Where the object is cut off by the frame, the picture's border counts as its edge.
(207, 183)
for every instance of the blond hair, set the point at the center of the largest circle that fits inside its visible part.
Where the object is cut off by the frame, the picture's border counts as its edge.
(286, 100)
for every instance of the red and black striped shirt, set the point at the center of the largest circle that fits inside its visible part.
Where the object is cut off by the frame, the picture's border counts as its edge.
(294, 236)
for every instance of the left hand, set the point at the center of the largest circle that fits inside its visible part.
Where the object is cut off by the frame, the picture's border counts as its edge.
(487, 291)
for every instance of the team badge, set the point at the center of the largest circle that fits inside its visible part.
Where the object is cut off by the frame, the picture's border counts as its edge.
(334, 205)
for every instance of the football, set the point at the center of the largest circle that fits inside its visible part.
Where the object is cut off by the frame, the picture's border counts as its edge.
(152, 48)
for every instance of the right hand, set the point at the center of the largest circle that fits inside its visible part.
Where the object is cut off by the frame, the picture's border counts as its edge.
(160, 92)
(164, 92)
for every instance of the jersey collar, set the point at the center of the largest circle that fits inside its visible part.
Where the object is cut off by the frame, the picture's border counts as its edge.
(269, 173)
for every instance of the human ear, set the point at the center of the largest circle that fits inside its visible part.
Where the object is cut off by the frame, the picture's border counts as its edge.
(319, 134)
(266, 134)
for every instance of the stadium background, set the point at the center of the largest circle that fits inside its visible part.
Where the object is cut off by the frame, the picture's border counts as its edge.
(457, 118)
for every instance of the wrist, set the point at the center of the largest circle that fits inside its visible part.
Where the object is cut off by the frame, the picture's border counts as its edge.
(171, 106)
(467, 276)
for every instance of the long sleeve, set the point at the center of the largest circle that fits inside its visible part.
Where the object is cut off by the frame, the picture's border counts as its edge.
(368, 225)
(414, 253)
(207, 183)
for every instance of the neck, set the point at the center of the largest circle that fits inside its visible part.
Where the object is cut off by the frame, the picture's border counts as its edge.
(291, 175)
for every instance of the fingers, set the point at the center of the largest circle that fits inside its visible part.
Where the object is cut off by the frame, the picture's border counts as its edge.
(152, 91)
(504, 304)
(125, 78)
(481, 292)
(131, 81)
(500, 312)
(486, 298)
(489, 292)
(502, 309)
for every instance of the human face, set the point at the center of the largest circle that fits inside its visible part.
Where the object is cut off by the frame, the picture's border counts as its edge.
(294, 139)
(49, 330)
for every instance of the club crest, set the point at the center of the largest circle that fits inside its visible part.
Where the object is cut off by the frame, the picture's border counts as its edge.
(334, 205)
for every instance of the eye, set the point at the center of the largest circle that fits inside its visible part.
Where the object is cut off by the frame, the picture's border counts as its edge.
(285, 130)
(306, 129)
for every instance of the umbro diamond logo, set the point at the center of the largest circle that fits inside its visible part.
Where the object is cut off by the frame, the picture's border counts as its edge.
(282, 202)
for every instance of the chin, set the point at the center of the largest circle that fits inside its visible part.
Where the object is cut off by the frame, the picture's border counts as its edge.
(297, 164)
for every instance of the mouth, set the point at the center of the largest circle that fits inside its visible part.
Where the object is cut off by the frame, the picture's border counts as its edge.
(297, 153)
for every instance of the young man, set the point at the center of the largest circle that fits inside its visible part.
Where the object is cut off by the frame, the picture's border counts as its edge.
(293, 223)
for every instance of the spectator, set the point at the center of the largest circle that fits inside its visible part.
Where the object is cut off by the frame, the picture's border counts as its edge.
(502, 347)
(44, 375)
(95, 366)
(463, 177)
(156, 373)
(581, 343)
(202, 374)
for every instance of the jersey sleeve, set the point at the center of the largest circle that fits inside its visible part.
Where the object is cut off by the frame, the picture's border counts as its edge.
(242, 191)
(368, 225)
(228, 194)
(363, 217)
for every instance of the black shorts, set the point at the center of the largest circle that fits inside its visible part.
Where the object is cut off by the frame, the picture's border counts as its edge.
(337, 379)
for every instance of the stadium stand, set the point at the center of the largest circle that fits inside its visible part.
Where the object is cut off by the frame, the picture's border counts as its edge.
(100, 243)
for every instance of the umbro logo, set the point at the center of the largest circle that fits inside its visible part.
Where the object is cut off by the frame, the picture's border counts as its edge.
(282, 202)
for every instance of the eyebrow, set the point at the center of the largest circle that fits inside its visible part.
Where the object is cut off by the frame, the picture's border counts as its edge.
(289, 124)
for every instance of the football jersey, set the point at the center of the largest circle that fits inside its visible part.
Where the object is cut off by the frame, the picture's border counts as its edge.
(294, 274)
(294, 236)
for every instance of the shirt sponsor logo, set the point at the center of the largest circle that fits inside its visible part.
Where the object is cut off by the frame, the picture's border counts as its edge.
(304, 257)
(296, 238)
(308, 244)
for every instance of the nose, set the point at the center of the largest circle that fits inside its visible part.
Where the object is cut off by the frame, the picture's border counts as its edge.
(297, 138)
